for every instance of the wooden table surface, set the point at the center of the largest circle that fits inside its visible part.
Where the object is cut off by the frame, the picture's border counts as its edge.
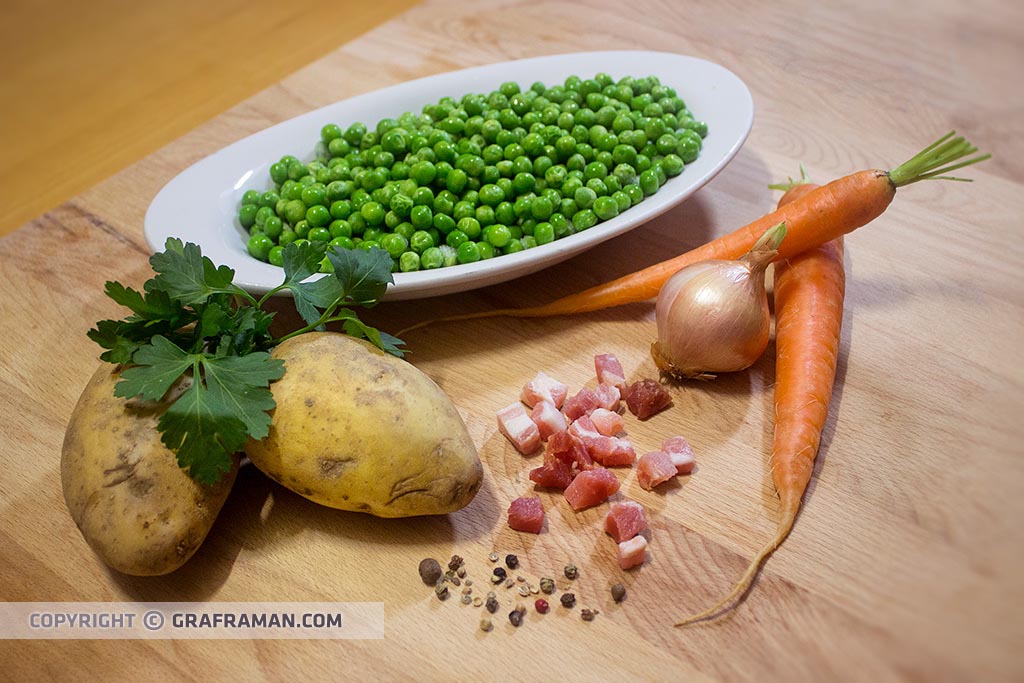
(906, 561)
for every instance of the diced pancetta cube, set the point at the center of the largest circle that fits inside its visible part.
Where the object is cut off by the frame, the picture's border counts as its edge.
(554, 474)
(609, 370)
(653, 469)
(625, 520)
(646, 398)
(584, 428)
(607, 396)
(518, 428)
(611, 451)
(526, 514)
(681, 453)
(606, 422)
(591, 487)
(580, 404)
(566, 448)
(632, 552)
(544, 388)
(548, 419)
(607, 450)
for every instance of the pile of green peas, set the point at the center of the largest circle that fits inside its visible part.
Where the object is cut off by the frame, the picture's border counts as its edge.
(479, 177)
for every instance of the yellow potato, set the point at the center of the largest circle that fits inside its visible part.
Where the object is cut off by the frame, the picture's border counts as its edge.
(358, 429)
(140, 512)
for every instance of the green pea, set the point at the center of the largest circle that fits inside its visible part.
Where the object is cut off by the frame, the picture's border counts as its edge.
(568, 207)
(491, 195)
(688, 149)
(642, 163)
(408, 262)
(595, 169)
(431, 258)
(340, 228)
(529, 241)
(560, 224)
(506, 187)
(401, 205)
(468, 252)
(250, 198)
(395, 245)
(455, 238)
(343, 243)
(367, 245)
(276, 256)
(247, 214)
(541, 208)
(485, 215)
(470, 227)
(598, 186)
(606, 208)
(486, 250)
(456, 180)
(584, 219)
(498, 235)
(278, 172)
(372, 212)
(443, 223)
(584, 197)
(673, 164)
(649, 182)
(287, 237)
(421, 217)
(314, 195)
(319, 235)
(373, 234)
(421, 241)
(514, 246)
(338, 147)
(318, 216)
(544, 233)
(505, 213)
(622, 200)
(259, 246)
(272, 227)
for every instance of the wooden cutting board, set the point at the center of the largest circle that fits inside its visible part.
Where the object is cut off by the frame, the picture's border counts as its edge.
(905, 562)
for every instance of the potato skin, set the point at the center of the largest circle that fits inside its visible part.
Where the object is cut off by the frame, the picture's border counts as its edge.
(358, 429)
(140, 512)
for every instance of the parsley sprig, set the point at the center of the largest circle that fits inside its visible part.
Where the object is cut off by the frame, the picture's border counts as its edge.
(192, 320)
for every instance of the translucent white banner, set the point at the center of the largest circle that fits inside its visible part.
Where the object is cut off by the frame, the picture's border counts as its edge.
(191, 620)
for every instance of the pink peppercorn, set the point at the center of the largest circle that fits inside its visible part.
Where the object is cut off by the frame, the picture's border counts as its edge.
(542, 606)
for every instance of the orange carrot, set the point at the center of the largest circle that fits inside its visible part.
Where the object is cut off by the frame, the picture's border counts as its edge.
(814, 218)
(809, 291)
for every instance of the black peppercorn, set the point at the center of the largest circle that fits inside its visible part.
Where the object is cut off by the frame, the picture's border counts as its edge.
(511, 561)
(430, 571)
(568, 599)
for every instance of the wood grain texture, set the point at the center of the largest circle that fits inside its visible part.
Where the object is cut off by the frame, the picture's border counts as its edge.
(905, 561)
(90, 88)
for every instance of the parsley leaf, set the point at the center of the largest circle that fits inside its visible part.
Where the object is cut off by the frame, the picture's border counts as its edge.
(355, 327)
(364, 275)
(238, 385)
(187, 276)
(203, 437)
(159, 364)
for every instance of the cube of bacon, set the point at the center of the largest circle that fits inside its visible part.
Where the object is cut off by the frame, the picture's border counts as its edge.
(606, 422)
(646, 398)
(548, 419)
(632, 552)
(566, 448)
(608, 396)
(607, 450)
(625, 520)
(580, 404)
(518, 428)
(611, 451)
(591, 487)
(553, 475)
(653, 469)
(681, 453)
(526, 514)
(609, 370)
(543, 388)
